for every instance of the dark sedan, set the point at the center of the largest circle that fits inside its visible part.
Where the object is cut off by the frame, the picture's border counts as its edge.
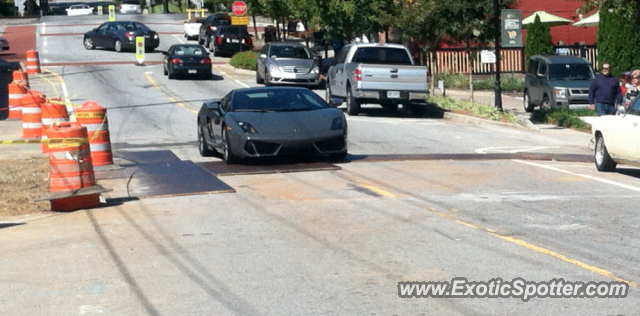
(187, 59)
(271, 121)
(121, 36)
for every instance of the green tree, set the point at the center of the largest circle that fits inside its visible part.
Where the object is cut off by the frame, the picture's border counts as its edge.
(538, 39)
(618, 41)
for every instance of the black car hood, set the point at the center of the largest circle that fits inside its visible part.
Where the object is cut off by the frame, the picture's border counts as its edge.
(288, 122)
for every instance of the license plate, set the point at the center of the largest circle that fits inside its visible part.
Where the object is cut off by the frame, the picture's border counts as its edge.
(193, 71)
(235, 40)
(393, 94)
(147, 36)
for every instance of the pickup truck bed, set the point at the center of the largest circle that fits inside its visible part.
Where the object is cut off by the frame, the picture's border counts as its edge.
(192, 28)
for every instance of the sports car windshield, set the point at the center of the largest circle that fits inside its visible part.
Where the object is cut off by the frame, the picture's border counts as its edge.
(280, 100)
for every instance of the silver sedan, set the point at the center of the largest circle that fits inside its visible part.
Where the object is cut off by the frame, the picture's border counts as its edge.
(287, 64)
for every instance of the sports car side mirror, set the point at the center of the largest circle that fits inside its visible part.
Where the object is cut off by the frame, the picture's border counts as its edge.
(334, 103)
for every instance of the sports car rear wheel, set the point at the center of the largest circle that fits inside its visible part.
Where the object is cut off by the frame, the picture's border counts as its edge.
(604, 162)
(227, 153)
(88, 43)
(204, 149)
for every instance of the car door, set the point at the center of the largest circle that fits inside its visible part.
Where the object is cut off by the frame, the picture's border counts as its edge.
(539, 82)
(216, 123)
(99, 38)
(624, 140)
(337, 76)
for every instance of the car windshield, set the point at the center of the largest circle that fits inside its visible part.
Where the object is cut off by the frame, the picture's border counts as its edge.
(381, 55)
(570, 72)
(279, 100)
(189, 50)
(298, 52)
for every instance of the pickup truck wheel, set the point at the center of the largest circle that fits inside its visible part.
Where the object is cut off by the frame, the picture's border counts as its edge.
(327, 92)
(604, 162)
(528, 106)
(353, 107)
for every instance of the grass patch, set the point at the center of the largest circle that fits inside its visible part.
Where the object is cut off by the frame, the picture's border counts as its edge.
(508, 82)
(474, 109)
(564, 117)
(244, 60)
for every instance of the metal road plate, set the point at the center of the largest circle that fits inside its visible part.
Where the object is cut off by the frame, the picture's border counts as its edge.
(146, 156)
(474, 156)
(220, 168)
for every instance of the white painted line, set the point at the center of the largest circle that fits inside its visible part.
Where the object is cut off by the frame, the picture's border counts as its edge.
(179, 38)
(242, 83)
(611, 182)
(510, 149)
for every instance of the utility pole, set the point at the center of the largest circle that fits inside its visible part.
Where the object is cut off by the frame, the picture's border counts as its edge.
(497, 90)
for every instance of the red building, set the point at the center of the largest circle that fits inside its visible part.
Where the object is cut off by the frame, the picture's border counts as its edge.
(565, 8)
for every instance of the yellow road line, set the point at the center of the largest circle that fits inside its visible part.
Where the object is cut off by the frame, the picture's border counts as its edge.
(376, 190)
(171, 98)
(522, 243)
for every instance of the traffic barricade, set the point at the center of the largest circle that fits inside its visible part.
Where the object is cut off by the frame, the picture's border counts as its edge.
(53, 111)
(33, 62)
(32, 114)
(70, 167)
(16, 93)
(94, 118)
(20, 77)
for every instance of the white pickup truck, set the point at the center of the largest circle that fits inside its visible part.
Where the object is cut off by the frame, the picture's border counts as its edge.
(192, 27)
(377, 73)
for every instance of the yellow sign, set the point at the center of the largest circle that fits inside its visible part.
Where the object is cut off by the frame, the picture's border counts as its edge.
(140, 49)
(99, 10)
(112, 12)
(239, 20)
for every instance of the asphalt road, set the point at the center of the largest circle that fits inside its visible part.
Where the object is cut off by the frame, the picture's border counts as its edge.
(331, 241)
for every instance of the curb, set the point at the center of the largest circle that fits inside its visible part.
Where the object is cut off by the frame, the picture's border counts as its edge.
(520, 124)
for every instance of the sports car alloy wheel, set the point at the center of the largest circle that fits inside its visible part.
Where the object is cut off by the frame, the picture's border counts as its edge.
(202, 145)
(604, 162)
(88, 43)
(117, 46)
(227, 153)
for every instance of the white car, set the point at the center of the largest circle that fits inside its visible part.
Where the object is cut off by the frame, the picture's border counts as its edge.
(617, 138)
(130, 6)
(79, 9)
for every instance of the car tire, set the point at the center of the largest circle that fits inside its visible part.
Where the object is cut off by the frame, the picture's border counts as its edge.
(267, 79)
(117, 46)
(88, 43)
(327, 93)
(203, 147)
(353, 106)
(528, 106)
(171, 75)
(227, 154)
(200, 40)
(166, 72)
(212, 48)
(604, 162)
(258, 79)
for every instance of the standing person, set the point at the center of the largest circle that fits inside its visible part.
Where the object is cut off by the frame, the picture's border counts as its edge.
(604, 92)
(633, 89)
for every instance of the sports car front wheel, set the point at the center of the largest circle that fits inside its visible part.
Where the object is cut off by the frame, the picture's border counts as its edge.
(204, 149)
(227, 153)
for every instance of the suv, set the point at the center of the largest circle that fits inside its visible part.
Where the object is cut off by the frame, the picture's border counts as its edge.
(553, 80)
(210, 25)
(230, 39)
(130, 6)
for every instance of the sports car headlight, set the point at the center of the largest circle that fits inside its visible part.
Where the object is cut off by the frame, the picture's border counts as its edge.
(336, 123)
(247, 128)
(560, 93)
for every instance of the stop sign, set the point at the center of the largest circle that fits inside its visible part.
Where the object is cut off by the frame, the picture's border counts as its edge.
(239, 8)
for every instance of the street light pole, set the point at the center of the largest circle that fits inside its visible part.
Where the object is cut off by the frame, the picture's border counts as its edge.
(497, 90)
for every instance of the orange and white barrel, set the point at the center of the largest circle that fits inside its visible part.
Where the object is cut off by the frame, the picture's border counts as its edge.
(94, 118)
(70, 166)
(33, 62)
(32, 114)
(53, 111)
(16, 93)
(20, 77)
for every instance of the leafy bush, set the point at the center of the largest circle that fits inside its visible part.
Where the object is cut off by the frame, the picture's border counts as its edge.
(473, 109)
(244, 60)
(538, 39)
(508, 82)
(565, 117)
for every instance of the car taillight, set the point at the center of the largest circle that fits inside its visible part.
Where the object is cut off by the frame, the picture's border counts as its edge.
(176, 61)
(205, 61)
(219, 40)
(358, 74)
(130, 34)
(249, 41)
